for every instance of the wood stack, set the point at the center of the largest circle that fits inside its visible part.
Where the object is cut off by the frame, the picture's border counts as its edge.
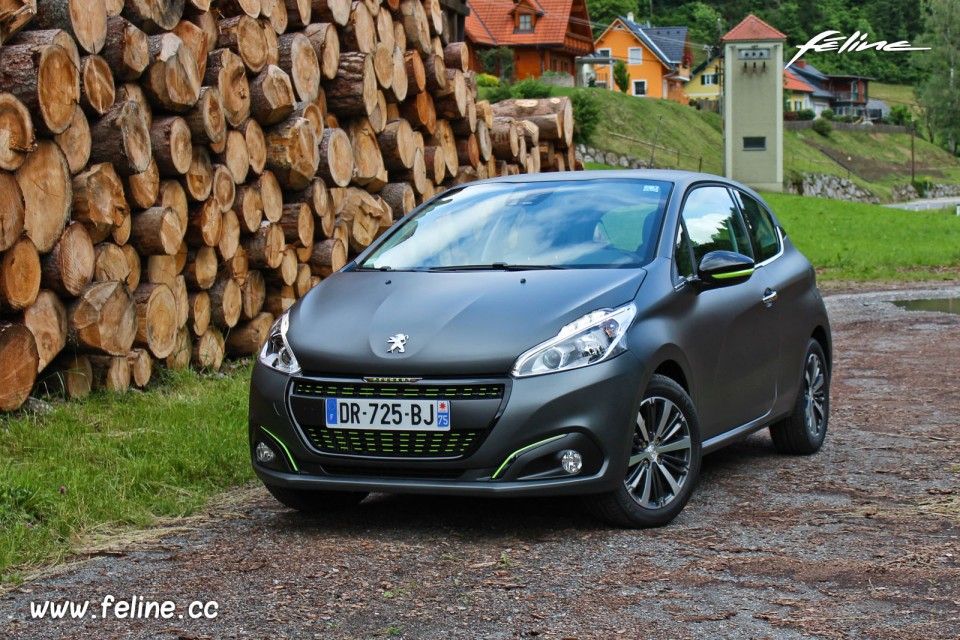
(174, 174)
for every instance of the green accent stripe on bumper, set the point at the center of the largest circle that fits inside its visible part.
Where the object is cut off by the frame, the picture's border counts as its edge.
(513, 456)
(293, 464)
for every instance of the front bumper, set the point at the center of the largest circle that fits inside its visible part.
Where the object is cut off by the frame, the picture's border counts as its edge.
(589, 410)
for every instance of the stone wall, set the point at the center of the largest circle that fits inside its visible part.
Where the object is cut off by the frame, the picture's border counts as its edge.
(824, 185)
(591, 154)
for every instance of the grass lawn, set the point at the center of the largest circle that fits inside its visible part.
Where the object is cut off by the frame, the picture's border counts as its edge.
(110, 461)
(852, 241)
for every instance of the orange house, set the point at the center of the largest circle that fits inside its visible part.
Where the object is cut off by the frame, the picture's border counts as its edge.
(658, 58)
(545, 35)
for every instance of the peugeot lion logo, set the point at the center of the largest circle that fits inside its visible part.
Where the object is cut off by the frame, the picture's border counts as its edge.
(397, 342)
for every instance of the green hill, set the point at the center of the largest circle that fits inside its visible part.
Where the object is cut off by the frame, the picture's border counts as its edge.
(876, 161)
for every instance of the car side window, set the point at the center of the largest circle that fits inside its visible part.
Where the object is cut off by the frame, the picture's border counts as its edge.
(714, 224)
(681, 252)
(766, 242)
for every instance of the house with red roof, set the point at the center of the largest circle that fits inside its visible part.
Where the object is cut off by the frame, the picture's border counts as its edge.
(545, 35)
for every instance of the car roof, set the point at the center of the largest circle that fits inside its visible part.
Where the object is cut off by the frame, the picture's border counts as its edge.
(682, 179)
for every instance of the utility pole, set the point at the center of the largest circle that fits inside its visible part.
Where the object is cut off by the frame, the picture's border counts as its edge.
(913, 135)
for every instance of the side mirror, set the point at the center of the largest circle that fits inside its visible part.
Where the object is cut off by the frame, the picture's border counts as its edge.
(722, 268)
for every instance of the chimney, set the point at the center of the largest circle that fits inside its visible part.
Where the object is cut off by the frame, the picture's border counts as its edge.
(630, 16)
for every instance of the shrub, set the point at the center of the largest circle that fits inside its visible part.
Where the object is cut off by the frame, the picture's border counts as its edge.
(530, 88)
(806, 114)
(900, 114)
(498, 93)
(827, 114)
(823, 127)
(621, 76)
(586, 115)
(487, 80)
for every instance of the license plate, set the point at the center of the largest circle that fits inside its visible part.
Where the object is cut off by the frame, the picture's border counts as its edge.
(388, 415)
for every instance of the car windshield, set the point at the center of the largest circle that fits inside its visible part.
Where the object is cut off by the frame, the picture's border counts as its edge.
(602, 223)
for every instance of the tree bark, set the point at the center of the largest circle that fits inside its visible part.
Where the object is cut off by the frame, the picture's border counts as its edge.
(16, 14)
(337, 11)
(141, 367)
(292, 153)
(247, 338)
(299, 59)
(69, 375)
(156, 231)
(11, 211)
(172, 145)
(208, 350)
(354, 89)
(271, 96)
(328, 256)
(45, 79)
(336, 157)
(244, 37)
(205, 225)
(126, 49)
(207, 119)
(154, 15)
(325, 41)
(172, 80)
(110, 373)
(104, 319)
(265, 248)
(156, 319)
(18, 132)
(70, 266)
(44, 180)
(122, 137)
(201, 268)
(225, 303)
(85, 20)
(226, 72)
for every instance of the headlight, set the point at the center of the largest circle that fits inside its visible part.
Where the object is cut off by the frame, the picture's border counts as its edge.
(593, 338)
(276, 352)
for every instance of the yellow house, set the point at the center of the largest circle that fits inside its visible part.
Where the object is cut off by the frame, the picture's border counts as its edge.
(658, 58)
(705, 82)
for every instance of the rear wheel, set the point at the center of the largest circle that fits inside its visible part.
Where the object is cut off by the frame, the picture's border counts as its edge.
(664, 460)
(316, 501)
(804, 430)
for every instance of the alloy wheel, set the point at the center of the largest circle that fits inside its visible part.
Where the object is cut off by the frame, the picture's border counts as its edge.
(814, 393)
(661, 454)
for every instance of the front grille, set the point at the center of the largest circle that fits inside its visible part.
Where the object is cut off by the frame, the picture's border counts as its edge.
(398, 444)
(381, 472)
(326, 389)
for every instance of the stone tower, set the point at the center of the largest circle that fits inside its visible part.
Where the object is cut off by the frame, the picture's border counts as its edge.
(753, 104)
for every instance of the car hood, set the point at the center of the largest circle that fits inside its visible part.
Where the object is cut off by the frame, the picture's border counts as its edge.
(457, 323)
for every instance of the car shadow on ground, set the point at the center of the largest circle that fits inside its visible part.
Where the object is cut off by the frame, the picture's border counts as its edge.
(485, 517)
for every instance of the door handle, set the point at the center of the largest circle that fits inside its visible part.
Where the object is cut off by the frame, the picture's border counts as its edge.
(769, 297)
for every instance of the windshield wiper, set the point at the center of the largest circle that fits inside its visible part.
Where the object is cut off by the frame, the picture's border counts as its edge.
(496, 266)
(374, 269)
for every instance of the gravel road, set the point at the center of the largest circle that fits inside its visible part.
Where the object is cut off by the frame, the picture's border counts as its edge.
(859, 541)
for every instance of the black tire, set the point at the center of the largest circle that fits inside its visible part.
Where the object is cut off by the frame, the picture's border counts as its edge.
(803, 431)
(316, 501)
(646, 498)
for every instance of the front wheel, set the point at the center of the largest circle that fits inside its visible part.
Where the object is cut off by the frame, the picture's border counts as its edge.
(663, 464)
(316, 501)
(803, 430)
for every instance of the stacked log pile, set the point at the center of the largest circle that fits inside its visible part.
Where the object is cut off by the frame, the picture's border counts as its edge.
(174, 174)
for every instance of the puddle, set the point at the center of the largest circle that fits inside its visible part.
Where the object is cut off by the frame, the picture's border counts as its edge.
(943, 305)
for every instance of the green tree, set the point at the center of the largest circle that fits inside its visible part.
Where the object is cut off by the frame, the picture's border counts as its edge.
(621, 76)
(497, 62)
(603, 12)
(939, 92)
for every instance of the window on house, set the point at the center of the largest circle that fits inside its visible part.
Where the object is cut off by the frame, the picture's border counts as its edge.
(639, 87)
(708, 79)
(606, 53)
(754, 143)
(635, 55)
(797, 105)
(526, 22)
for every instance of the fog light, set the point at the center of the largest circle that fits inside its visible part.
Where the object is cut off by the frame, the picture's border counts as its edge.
(571, 461)
(265, 454)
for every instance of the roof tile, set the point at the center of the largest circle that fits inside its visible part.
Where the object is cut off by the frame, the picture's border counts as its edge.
(753, 28)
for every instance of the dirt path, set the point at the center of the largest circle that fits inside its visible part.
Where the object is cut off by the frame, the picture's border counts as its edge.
(859, 541)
